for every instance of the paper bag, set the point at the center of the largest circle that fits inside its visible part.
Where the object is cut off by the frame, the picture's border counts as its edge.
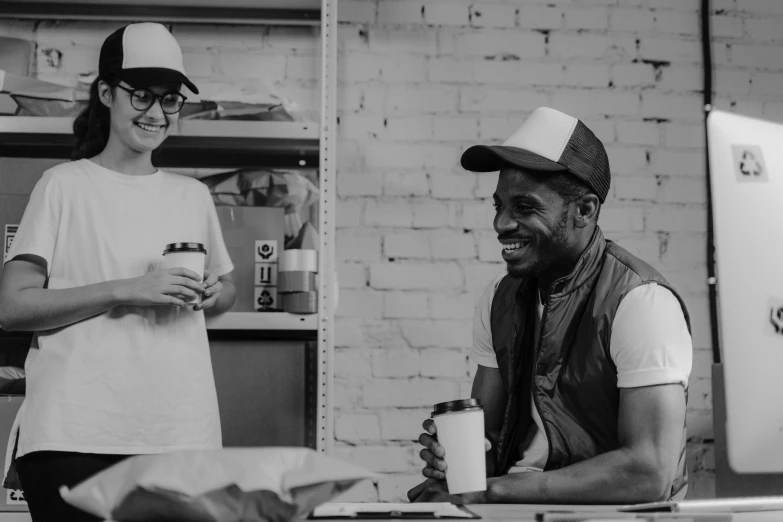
(226, 485)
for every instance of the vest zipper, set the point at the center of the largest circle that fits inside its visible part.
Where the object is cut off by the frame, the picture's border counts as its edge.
(533, 385)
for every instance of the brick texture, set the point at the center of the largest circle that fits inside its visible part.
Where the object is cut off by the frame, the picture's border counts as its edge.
(419, 81)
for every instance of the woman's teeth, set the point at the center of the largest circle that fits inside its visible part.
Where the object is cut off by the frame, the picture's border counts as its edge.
(150, 128)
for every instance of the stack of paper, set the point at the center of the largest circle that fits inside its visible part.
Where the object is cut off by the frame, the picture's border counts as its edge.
(391, 510)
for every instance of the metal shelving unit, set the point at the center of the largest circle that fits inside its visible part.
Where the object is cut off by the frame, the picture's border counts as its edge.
(195, 143)
(262, 12)
(228, 144)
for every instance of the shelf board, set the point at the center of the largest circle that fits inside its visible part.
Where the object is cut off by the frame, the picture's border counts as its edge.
(263, 325)
(196, 143)
(231, 325)
(288, 12)
(263, 321)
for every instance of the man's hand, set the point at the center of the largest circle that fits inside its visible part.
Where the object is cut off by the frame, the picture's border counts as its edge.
(434, 454)
(212, 289)
(432, 490)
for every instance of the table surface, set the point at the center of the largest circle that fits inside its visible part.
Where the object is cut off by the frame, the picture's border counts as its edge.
(527, 512)
(515, 513)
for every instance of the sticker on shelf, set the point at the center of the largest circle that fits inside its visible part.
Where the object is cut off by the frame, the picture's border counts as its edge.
(266, 274)
(265, 298)
(15, 497)
(266, 251)
(10, 233)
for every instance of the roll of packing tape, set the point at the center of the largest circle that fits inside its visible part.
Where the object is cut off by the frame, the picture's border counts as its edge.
(300, 302)
(288, 282)
(298, 261)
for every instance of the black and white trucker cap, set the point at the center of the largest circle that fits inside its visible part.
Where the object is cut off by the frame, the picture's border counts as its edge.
(142, 55)
(548, 141)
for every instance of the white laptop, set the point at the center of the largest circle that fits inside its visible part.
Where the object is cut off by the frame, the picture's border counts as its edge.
(746, 173)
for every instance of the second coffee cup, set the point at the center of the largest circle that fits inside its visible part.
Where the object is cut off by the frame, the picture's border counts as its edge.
(186, 255)
(460, 430)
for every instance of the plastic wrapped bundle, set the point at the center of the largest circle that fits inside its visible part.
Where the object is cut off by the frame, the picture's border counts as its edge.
(227, 485)
(288, 189)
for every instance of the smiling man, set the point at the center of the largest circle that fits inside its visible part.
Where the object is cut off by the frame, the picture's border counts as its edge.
(583, 350)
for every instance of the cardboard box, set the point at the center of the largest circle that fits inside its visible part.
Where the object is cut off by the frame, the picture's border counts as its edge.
(253, 236)
(10, 499)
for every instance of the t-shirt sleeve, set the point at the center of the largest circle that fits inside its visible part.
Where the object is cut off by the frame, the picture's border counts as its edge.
(650, 342)
(218, 260)
(37, 232)
(482, 352)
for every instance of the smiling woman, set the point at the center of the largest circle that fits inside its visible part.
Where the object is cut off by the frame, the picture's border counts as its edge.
(121, 358)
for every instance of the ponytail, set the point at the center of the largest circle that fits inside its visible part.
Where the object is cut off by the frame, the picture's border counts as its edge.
(91, 127)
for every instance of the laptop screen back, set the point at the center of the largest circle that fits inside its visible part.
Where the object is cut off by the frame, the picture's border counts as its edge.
(746, 172)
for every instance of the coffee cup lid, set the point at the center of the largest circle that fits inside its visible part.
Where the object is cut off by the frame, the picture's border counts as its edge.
(184, 247)
(459, 405)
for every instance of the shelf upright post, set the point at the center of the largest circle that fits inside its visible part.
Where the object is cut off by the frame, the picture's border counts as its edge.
(326, 259)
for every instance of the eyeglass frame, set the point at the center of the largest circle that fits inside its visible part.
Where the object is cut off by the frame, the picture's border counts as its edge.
(155, 98)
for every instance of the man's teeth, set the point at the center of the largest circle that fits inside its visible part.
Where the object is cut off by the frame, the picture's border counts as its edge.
(510, 247)
(151, 128)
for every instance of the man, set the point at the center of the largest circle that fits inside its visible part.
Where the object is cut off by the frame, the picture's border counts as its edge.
(583, 350)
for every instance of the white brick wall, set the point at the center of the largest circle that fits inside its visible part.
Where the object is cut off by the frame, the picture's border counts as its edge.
(494, 63)
(420, 80)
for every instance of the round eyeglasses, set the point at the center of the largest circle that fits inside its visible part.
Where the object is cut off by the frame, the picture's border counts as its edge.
(143, 99)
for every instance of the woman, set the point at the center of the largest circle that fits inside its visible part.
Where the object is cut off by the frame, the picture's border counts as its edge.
(120, 363)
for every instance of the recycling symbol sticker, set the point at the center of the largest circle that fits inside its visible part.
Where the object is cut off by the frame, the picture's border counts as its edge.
(775, 317)
(265, 298)
(749, 165)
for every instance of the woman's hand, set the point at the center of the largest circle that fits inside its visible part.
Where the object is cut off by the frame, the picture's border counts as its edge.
(172, 286)
(212, 289)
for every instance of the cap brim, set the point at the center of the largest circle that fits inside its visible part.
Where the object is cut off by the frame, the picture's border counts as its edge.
(490, 158)
(141, 78)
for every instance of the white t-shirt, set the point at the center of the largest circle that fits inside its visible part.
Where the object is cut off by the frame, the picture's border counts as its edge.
(133, 379)
(650, 345)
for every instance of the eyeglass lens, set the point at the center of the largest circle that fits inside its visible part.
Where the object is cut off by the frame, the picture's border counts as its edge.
(143, 99)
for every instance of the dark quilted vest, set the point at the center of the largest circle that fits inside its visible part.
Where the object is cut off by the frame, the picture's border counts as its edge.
(568, 368)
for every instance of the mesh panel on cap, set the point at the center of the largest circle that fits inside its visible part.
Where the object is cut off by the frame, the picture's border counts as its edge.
(585, 157)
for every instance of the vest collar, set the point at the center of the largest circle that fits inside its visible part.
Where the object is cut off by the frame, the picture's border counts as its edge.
(588, 262)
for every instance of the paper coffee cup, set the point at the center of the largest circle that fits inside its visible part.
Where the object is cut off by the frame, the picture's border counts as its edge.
(186, 255)
(460, 427)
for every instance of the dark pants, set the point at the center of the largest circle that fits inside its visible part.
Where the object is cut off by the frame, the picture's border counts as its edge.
(43, 472)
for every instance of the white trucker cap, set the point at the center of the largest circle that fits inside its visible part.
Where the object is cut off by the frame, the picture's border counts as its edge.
(142, 55)
(548, 141)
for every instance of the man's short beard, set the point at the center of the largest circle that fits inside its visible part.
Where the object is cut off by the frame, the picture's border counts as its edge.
(559, 242)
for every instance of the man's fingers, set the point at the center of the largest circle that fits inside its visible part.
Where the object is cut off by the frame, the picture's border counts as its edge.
(429, 426)
(434, 462)
(416, 491)
(487, 445)
(431, 444)
(433, 473)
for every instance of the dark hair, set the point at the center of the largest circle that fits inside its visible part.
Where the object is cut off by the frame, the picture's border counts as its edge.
(569, 187)
(91, 127)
